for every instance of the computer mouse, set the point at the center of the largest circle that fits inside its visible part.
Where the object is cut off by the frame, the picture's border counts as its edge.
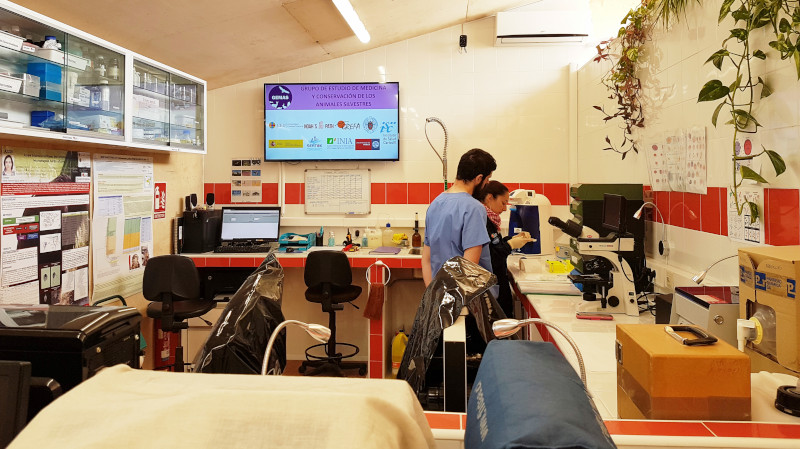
(289, 250)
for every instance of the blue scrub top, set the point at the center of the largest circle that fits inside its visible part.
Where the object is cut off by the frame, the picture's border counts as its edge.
(456, 222)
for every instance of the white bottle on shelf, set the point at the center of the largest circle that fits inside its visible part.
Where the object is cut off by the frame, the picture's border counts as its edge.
(105, 96)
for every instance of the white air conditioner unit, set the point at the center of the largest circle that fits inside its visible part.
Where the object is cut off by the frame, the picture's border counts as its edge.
(542, 27)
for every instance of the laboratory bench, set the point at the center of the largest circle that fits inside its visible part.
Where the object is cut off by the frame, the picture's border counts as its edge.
(373, 337)
(596, 341)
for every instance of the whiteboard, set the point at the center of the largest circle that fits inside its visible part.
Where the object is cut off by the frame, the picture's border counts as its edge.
(337, 191)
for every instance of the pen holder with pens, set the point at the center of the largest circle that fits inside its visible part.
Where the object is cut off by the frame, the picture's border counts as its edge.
(377, 290)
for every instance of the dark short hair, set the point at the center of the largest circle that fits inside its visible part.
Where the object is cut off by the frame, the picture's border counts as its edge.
(473, 163)
(494, 188)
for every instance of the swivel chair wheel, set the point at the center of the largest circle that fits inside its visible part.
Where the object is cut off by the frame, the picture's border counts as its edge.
(302, 369)
(362, 371)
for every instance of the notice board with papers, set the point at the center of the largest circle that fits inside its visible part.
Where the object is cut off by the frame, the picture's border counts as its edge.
(337, 191)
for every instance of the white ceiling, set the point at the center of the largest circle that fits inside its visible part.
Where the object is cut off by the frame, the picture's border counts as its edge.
(228, 42)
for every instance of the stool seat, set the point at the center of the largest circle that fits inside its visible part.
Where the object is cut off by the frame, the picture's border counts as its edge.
(329, 279)
(338, 295)
(182, 310)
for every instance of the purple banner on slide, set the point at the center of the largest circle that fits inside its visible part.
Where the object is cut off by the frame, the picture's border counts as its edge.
(364, 96)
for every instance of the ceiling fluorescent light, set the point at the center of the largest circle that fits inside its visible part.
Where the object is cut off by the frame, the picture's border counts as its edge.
(350, 15)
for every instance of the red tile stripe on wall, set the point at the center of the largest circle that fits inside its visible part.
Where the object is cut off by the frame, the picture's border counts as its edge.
(708, 213)
(386, 192)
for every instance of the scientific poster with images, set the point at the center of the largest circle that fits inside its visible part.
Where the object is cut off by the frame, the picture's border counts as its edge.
(675, 152)
(44, 206)
(695, 165)
(246, 180)
(122, 224)
(746, 146)
(740, 227)
(657, 166)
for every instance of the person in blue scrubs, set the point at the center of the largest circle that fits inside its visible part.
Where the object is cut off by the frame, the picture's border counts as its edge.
(455, 224)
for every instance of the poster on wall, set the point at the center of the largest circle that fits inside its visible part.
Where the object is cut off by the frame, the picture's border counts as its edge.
(122, 224)
(745, 146)
(657, 166)
(740, 227)
(44, 206)
(675, 152)
(695, 165)
(246, 180)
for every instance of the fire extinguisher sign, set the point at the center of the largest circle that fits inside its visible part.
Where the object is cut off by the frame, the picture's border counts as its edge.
(160, 200)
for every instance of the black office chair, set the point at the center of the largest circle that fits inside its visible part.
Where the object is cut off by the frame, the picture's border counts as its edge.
(172, 284)
(329, 280)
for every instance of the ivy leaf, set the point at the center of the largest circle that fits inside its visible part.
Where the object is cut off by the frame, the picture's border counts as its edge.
(624, 154)
(717, 58)
(713, 90)
(777, 161)
(742, 115)
(598, 108)
(735, 85)
(716, 113)
(741, 14)
(608, 141)
(748, 173)
(753, 211)
(740, 34)
(796, 55)
(760, 55)
(766, 91)
(724, 9)
(784, 25)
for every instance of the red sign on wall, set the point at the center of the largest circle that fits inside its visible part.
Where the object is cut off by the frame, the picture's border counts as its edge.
(160, 200)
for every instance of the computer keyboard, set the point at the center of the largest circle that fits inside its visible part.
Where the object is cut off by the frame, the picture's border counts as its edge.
(260, 248)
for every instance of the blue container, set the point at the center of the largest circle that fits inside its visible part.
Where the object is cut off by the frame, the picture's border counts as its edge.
(47, 94)
(37, 117)
(46, 71)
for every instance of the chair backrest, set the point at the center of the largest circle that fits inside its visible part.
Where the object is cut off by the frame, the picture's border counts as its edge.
(15, 380)
(170, 274)
(331, 267)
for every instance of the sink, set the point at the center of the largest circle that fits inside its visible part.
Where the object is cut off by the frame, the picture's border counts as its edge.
(415, 251)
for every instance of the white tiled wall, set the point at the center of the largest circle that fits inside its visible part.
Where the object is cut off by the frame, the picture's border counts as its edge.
(673, 78)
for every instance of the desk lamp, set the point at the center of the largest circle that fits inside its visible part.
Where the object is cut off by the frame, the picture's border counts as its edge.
(698, 278)
(509, 326)
(663, 247)
(317, 331)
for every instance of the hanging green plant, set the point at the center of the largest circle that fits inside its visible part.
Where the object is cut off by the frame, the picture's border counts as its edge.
(740, 95)
(622, 80)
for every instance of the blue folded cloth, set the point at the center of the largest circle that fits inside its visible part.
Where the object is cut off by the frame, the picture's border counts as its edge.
(526, 395)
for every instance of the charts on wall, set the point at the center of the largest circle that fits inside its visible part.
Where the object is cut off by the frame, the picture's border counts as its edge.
(44, 203)
(246, 181)
(677, 161)
(740, 227)
(122, 223)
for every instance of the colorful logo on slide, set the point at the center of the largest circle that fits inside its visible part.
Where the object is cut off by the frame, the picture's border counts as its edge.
(370, 124)
(271, 125)
(280, 97)
(368, 144)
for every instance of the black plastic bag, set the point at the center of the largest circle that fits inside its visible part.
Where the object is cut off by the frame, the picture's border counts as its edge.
(459, 282)
(239, 338)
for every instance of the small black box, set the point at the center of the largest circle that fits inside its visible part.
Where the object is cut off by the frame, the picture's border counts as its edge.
(663, 308)
(201, 230)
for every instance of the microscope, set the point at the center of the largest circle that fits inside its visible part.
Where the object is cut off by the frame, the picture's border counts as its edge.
(608, 276)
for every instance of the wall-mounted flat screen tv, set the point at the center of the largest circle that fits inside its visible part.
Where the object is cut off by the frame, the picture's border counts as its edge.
(331, 122)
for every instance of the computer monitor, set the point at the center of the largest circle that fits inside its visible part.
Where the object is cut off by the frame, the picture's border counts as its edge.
(614, 218)
(250, 224)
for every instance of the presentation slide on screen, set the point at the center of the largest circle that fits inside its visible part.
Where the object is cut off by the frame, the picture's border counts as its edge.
(331, 121)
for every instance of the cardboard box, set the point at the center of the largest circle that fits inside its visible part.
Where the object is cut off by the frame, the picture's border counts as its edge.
(660, 378)
(768, 291)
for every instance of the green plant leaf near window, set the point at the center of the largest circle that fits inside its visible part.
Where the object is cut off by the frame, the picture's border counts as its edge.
(781, 19)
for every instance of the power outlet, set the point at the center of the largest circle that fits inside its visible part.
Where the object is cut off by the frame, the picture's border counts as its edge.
(669, 281)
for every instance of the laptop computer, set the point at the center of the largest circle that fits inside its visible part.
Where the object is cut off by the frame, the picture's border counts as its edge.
(245, 229)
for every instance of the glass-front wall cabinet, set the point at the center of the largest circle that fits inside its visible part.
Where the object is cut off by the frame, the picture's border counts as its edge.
(58, 82)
